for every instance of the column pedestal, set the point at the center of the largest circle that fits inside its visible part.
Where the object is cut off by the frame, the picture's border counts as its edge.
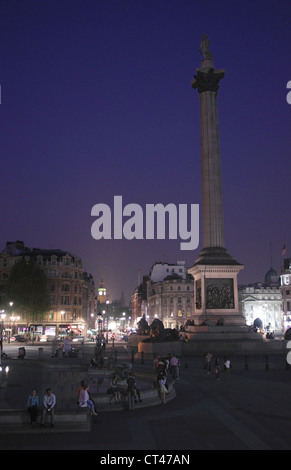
(215, 288)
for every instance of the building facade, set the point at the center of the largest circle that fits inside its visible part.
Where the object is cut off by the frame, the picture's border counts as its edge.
(168, 295)
(286, 292)
(262, 302)
(71, 290)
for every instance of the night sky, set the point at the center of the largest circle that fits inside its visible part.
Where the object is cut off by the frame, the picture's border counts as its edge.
(96, 101)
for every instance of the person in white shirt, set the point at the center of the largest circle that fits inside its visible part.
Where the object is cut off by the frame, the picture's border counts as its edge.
(84, 400)
(49, 403)
(227, 365)
(174, 366)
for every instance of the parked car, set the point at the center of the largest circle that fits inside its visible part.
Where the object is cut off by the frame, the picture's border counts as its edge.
(18, 338)
(78, 339)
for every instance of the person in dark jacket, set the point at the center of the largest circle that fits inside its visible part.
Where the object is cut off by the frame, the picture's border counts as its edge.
(33, 406)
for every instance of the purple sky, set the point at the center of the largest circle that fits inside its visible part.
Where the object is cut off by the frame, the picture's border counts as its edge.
(96, 101)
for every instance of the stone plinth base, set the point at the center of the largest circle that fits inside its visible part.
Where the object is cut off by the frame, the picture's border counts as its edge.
(229, 319)
(215, 288)
(134, 340)
(228, 339)
(159, 348)
(228, 346)
(228, 332)
(215, 339)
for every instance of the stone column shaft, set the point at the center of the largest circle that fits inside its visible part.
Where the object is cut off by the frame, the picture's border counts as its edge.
(212, 200)
(207, 83)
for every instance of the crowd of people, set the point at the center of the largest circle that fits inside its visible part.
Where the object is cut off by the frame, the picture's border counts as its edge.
(217, 365)
(166, 367)
(126, 395)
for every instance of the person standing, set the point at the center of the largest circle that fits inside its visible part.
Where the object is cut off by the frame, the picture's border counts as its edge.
(33, 406)
(173, 366)
(227, 366)
(208, 358)
(130, 385)
(163, 389)
(217, 369)
(49, 403)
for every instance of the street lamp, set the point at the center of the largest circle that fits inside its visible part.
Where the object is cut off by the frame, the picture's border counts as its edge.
(107, 303)
(3, 316)
(100, 320)
(91, 324)
(3, 370)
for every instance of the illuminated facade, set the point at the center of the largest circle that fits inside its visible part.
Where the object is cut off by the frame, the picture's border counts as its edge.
(102, 293)
(263, 301)
(71, 290)
(286, 292)
(170, 294)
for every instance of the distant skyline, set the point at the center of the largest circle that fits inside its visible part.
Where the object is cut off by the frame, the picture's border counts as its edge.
(96, 102)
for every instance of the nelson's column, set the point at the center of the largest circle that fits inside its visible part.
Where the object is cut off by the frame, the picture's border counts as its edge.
(215, 271)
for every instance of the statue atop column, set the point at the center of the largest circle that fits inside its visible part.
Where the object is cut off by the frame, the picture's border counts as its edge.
(207, 78)
(204, 48)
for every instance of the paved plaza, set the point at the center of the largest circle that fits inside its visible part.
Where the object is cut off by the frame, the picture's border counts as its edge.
(246, 409)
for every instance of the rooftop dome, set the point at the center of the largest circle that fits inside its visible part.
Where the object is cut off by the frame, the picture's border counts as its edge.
(271, 277)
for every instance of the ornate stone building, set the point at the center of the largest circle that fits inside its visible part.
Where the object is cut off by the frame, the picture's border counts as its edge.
(169, 295)
(71, 290)
(286, 292)
(263, 301)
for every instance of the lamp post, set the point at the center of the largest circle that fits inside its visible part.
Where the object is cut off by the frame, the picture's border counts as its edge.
(92, 321)
(3, 316)
(3, 370)
(100, 321)
(107, 303)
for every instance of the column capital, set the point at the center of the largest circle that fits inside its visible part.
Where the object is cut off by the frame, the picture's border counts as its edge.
(207, 80)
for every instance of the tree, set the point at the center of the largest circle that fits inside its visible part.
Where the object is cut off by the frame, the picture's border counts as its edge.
(27, 287)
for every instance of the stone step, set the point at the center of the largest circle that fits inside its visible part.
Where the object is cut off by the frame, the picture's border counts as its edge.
(18, 421)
